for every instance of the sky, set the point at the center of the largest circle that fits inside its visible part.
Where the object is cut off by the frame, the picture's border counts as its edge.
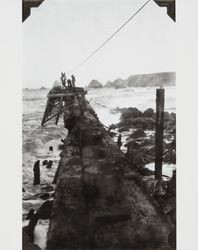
(60, 34)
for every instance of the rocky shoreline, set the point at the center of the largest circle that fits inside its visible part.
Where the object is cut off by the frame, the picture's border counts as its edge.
(138, 132)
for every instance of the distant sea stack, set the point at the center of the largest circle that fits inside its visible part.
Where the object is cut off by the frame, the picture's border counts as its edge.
(95, 84)
(42, 88)
(144, 80)
(118, 83)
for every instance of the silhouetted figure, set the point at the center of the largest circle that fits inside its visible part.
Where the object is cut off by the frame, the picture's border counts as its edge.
(63, 79)
(69, 83)
(119, 141)
(36, 170)
(73, 80)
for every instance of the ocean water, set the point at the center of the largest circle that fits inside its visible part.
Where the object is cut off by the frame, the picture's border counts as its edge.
(105, 100)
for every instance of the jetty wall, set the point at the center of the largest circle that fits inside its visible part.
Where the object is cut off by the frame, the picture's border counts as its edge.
(99, 202)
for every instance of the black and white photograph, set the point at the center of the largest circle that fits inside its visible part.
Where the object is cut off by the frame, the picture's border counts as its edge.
(99, 126)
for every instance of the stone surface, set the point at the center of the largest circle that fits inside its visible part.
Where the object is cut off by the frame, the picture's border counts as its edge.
(96, 206)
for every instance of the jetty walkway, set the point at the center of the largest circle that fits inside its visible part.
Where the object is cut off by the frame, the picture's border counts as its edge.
(99, 202)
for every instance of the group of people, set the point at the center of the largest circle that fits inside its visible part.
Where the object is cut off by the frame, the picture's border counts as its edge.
(70, 82)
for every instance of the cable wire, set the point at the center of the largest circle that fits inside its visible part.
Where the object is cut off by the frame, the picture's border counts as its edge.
(108, 39)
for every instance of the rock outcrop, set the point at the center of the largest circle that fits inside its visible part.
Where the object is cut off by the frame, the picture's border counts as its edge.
(144, 80)
(134, 118)
(94, 84)
(118, 83)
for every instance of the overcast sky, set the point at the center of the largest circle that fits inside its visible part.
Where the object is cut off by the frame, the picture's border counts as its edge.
(61, 33)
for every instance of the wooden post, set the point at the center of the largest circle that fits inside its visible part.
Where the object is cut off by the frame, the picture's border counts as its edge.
(159, 132)
(119, 141)
(36, 170)
(45, 113)
(59, 109)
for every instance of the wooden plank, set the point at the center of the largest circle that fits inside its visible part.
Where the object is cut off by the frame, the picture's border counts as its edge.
(45, 113)
(65, 94)
(54, 115)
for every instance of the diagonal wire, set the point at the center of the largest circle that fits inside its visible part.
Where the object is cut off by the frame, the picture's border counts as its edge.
(108, 39)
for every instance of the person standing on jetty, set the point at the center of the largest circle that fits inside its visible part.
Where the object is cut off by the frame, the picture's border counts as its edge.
(63, 79)
(73, 80)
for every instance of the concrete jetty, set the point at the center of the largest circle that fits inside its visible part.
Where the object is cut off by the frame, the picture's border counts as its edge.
(99, 202)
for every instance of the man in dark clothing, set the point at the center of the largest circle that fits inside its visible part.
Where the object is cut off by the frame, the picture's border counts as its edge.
(73, 80)
(63, 79)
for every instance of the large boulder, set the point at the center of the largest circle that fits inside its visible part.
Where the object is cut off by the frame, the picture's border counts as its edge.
(143, 122)
(173, 115)
(129, 113)
(169, 117)
(169, 156)
(148, 113)
(113, 126)
(45, 196)
(95, 84)
(139, 133)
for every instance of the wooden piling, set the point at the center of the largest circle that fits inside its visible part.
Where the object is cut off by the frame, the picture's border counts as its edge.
(159, 132)
(59, 110)
(119, 141)
(36, 170)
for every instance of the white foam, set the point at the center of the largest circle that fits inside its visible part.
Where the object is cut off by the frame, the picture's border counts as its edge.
(167, 169)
